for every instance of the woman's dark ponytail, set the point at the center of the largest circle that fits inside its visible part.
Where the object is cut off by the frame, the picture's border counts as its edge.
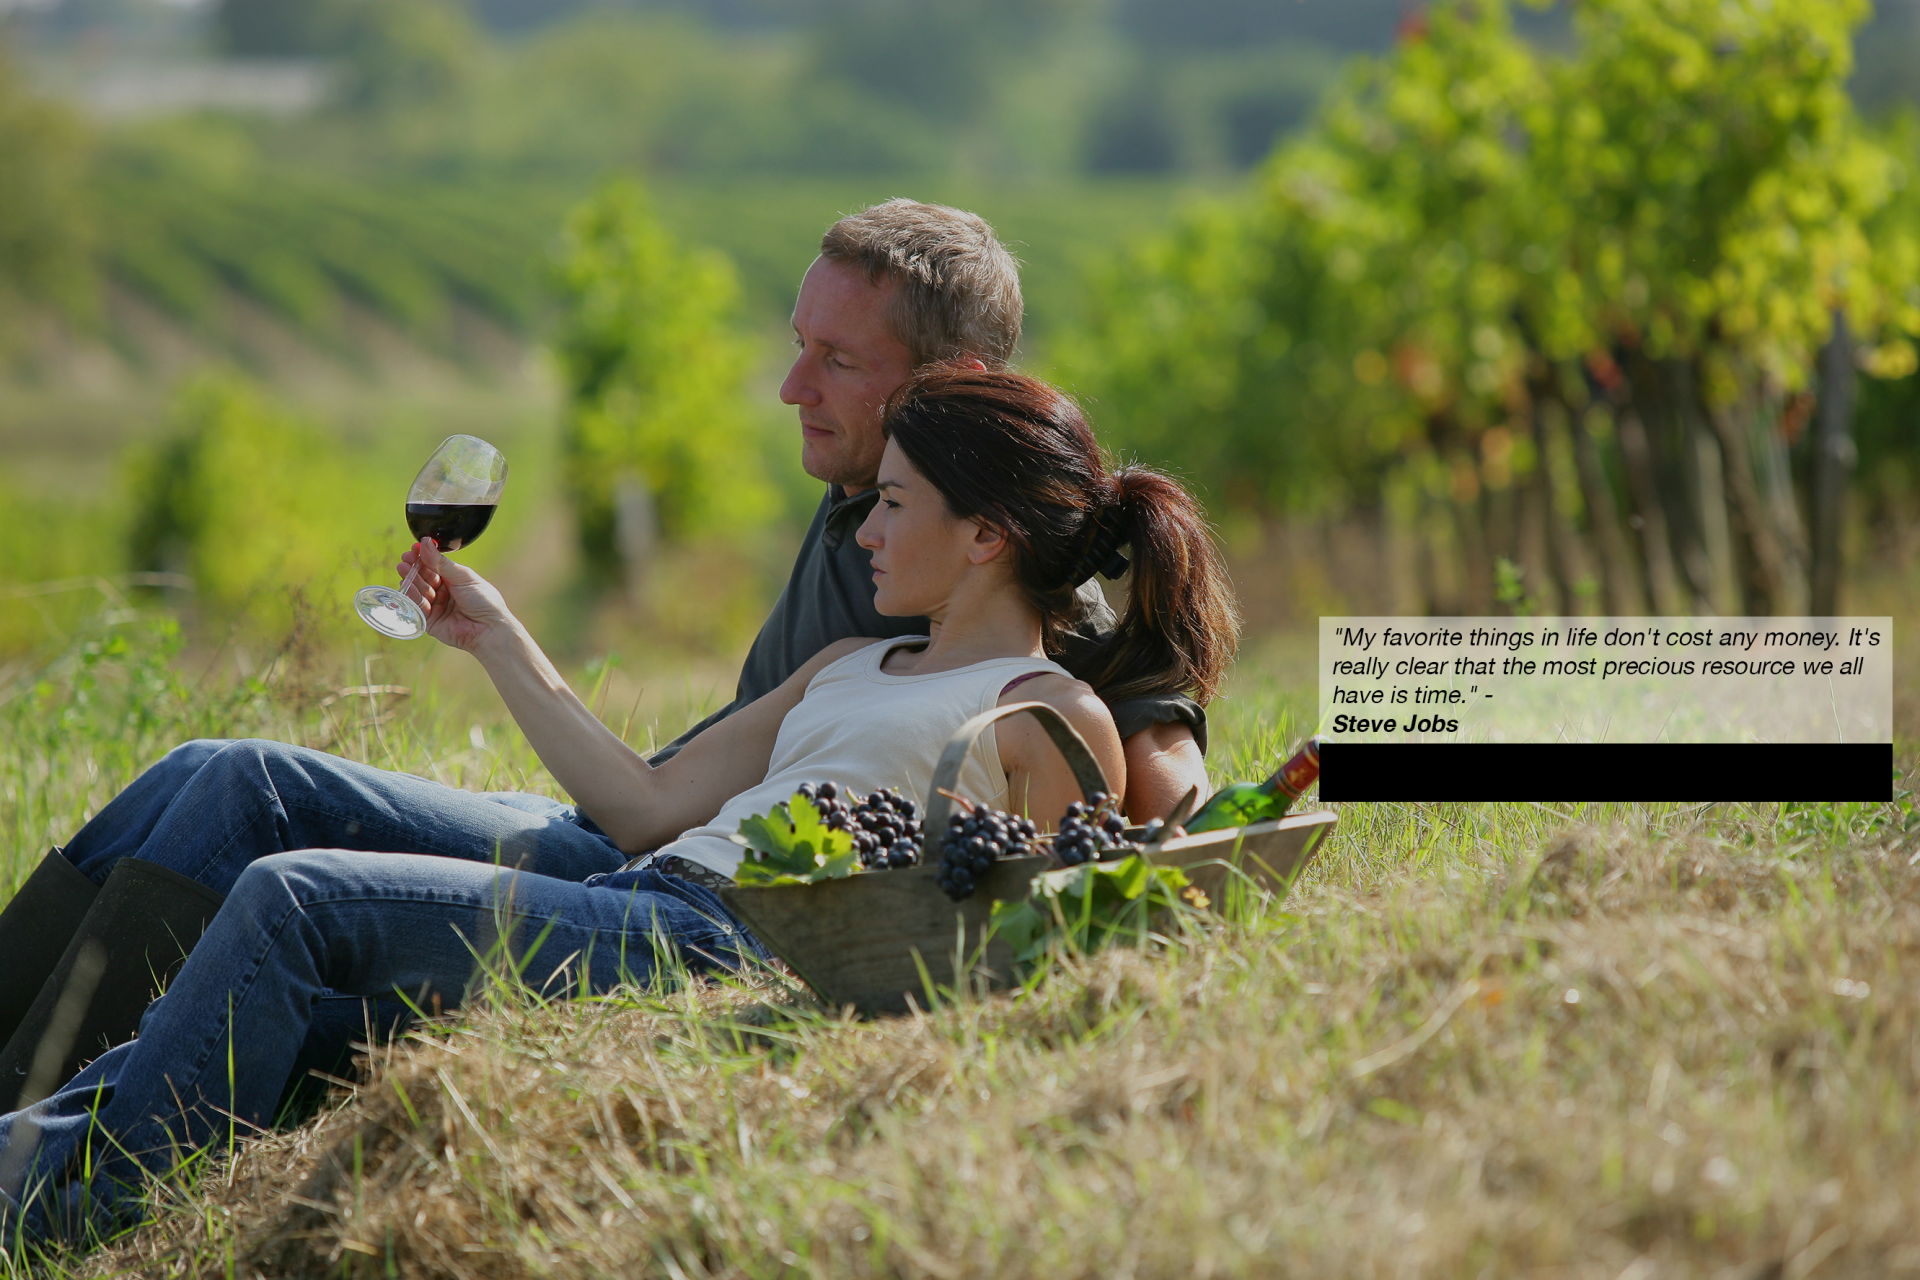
(1179, 627)
(1018, 455)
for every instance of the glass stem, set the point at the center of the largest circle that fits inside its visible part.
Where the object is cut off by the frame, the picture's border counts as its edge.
(413, 574)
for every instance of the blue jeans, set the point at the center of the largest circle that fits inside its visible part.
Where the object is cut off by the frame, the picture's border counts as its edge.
(216, 1049)
(210, 808)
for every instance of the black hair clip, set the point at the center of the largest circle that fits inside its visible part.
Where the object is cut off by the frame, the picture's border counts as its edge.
(1103, 554)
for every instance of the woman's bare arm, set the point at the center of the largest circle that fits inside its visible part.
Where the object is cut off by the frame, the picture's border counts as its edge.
(1040, 783)
(641, 806)
(638, 805)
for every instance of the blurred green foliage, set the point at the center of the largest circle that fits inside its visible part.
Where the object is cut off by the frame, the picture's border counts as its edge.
(419, 83)
(1478, 225)
(1887, 435)
(398, 53)
(44, 214)
(249, 501)
(1468, 214)
(446, 154)
(390, 53)
(1887, 422)
(114, 676)
(192, 212)
(271, 28)
(770, 226)
(1484, 257)
(52, 553)
(1018, 86)
(650, 351)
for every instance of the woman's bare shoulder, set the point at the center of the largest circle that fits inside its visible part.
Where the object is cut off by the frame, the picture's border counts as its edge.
(1028, 754)
(1073, 699)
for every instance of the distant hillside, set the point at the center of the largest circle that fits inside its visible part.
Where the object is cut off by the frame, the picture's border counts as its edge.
(413, 209)
(1888, 50)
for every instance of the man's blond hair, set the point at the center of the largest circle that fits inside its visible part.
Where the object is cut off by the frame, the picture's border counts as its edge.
(959, 288)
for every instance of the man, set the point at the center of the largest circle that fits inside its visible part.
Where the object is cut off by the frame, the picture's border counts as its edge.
(897, 286)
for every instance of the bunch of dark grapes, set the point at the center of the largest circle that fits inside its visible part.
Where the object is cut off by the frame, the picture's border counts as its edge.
(1091, 833)
(886, 830)
(825, 797)
(973, 842)
(885, 826)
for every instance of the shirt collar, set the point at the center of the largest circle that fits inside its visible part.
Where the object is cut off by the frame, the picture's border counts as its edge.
(845, 514)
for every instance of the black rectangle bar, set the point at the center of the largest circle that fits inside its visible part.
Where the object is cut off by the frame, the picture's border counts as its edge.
(1604, 772)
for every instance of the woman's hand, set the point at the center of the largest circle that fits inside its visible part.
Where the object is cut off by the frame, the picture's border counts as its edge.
(462, 607)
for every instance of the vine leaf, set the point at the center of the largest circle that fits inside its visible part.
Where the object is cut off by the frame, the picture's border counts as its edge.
(791, 845)
(1083, 908)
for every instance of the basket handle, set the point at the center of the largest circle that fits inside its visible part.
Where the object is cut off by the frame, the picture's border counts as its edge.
(946, 774)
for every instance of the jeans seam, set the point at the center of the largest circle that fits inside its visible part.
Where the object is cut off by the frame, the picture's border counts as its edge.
(213, 859)
(337, 813)
(236, 995)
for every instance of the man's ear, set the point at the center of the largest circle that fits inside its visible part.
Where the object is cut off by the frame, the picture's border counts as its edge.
(978, 366)
(987, 544)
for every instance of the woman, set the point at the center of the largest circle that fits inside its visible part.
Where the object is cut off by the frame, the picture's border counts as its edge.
(994, 497)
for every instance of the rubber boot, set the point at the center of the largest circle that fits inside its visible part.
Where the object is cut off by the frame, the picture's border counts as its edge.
(34, 932)
(133, 940)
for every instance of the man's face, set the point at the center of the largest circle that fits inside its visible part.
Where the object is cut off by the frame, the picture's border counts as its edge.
(849, 362)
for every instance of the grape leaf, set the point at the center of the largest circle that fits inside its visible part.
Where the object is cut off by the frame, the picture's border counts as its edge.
(793, 846)
(1085, 907)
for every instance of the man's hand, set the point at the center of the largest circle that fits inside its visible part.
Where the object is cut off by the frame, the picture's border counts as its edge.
(1163, 764)
(462, 607)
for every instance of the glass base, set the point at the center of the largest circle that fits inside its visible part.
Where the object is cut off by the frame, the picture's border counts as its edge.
(390, 613)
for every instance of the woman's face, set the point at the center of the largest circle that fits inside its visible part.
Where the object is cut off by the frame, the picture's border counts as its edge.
(921, 551)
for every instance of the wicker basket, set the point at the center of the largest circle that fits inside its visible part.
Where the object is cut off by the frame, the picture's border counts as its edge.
(880, 941)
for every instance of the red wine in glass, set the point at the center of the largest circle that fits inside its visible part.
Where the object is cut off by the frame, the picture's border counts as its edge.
(451, 503)
(451, 525)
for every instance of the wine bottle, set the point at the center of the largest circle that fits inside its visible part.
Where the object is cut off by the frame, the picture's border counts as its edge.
(1243, 803)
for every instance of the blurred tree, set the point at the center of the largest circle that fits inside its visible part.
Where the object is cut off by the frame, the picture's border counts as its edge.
(516, 16)
(44, 209)
(656, 425)
(942, 61)
(1887, 431)
(571, 98)
(393, 52)
(1133, 131)
(1206, 109)
(1726, 190)
(1232, 24)
(1314, 334)
(1482, 259)
(249, 500)
(273, 28)
(400, 53)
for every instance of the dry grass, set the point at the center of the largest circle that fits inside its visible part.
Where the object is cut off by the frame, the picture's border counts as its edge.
(1384, 1075)
(1474, 1042)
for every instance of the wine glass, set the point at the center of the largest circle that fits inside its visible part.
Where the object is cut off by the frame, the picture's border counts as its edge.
(450, 504)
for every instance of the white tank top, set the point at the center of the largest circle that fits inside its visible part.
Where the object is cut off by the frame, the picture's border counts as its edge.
(864, 729)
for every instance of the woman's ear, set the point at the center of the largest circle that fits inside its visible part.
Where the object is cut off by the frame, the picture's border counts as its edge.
(987, 544)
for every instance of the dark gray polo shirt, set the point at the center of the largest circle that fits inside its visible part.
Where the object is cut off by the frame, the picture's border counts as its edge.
(829, 597)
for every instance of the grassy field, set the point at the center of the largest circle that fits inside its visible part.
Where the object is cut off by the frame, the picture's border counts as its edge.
(1476, 1040)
